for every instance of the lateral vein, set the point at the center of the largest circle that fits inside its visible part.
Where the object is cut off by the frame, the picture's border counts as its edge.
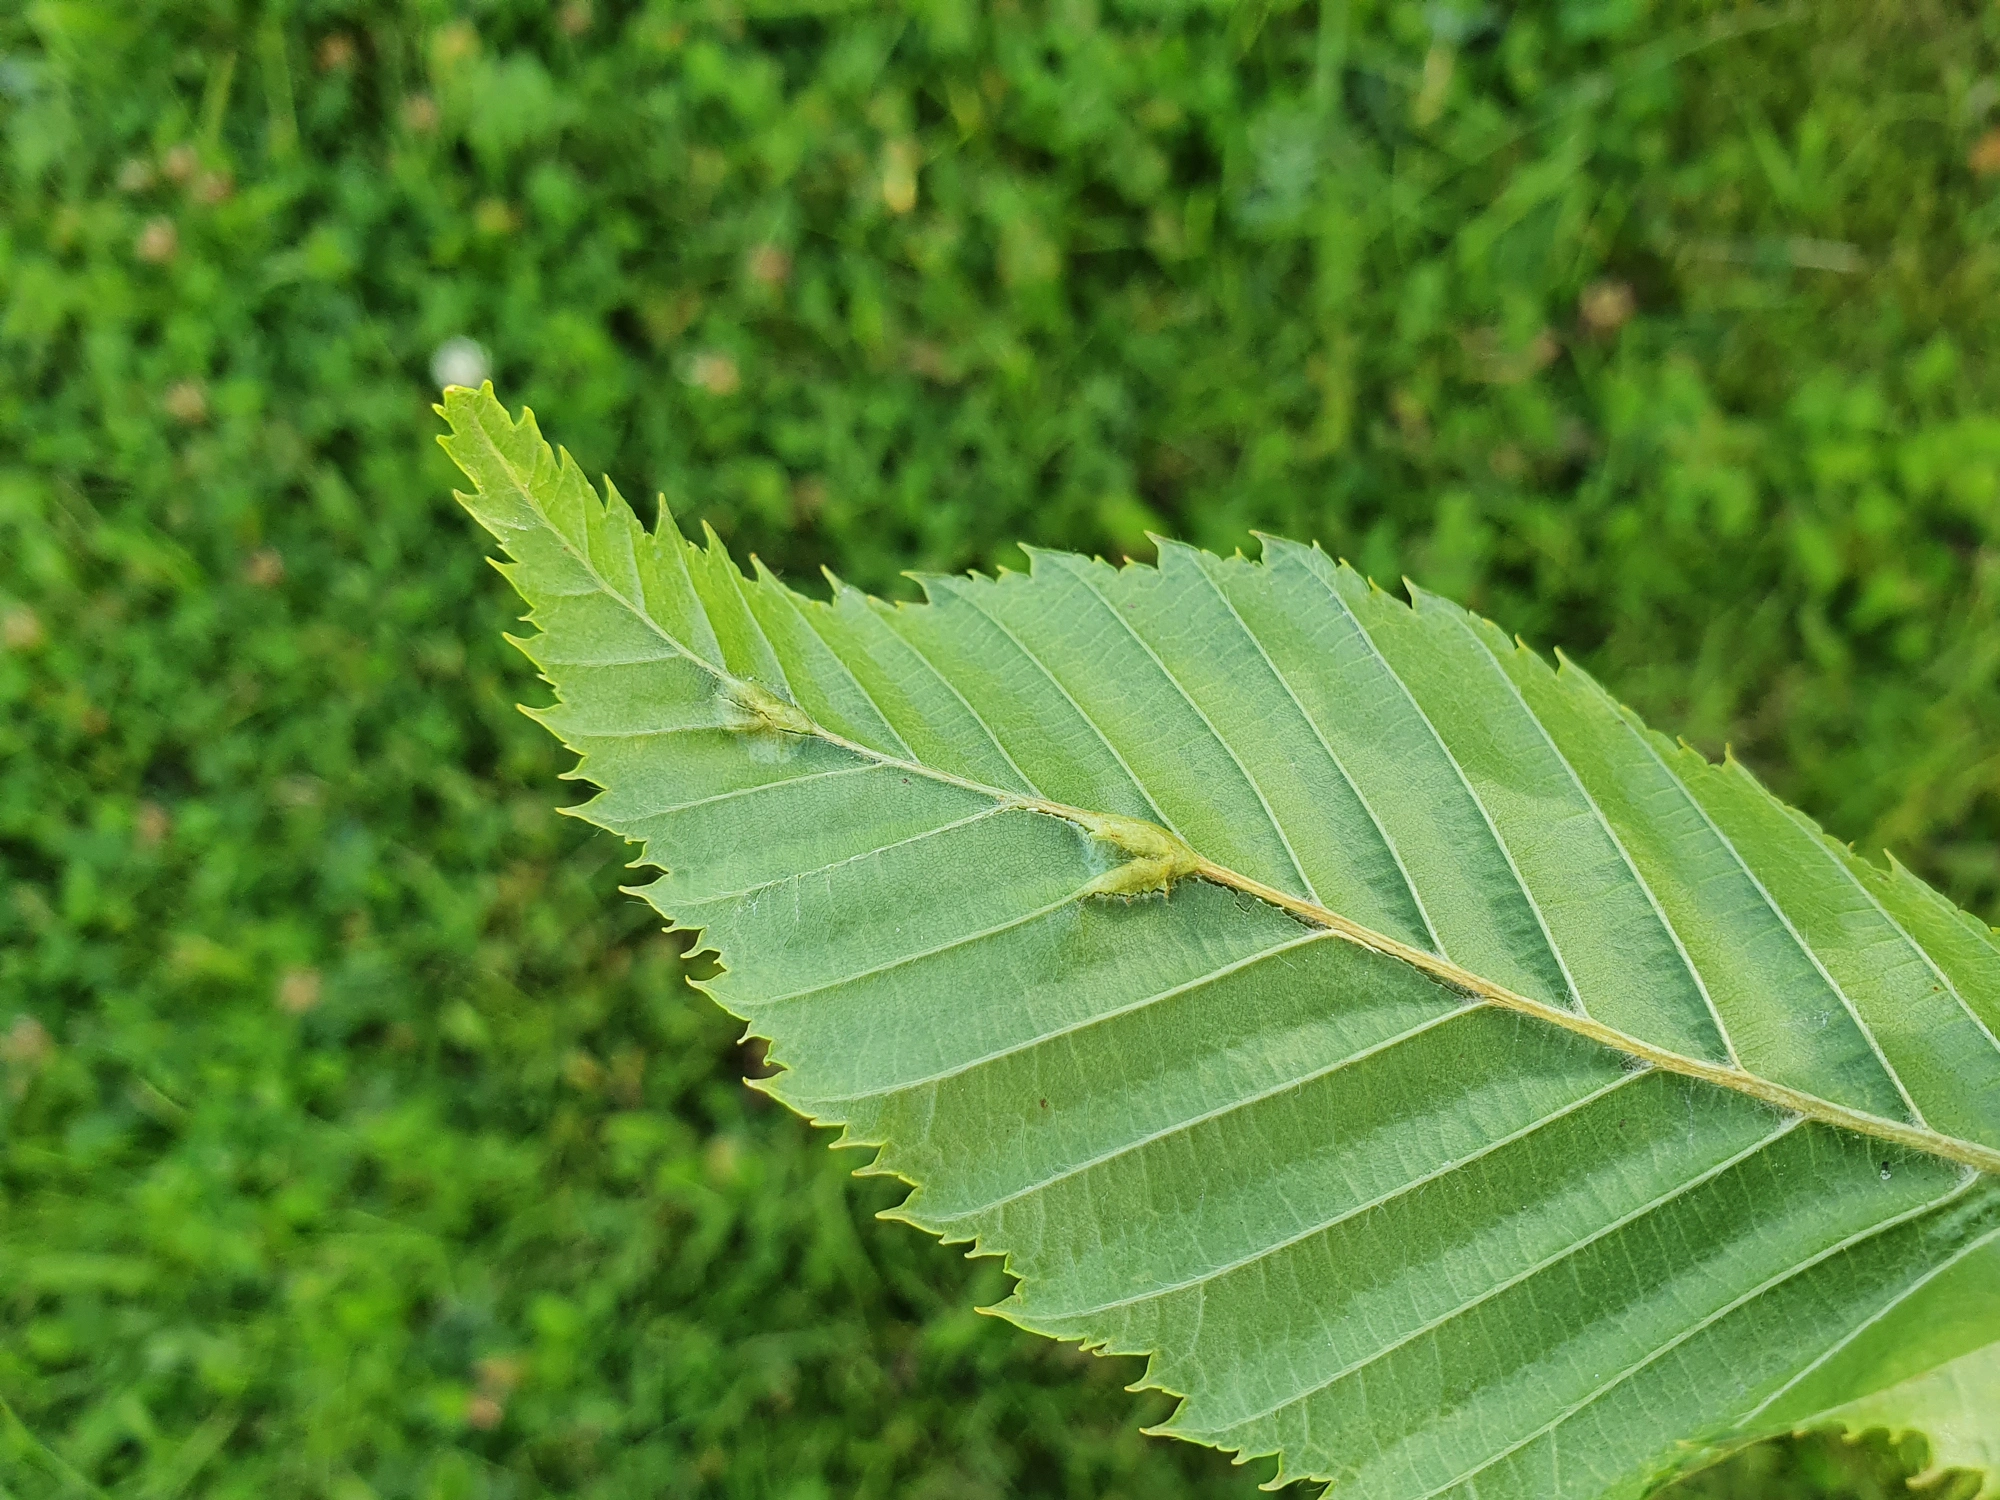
(1903, 1294)
(1478, 802)
(1409, 882)
(1214, 733)
(1400, 1190)
(1902, 932)
(963, 939)
(1547, 1262)
(805, 619)
(1859, 1237)
(1200, 981)
(831, 865)
(892, 633)
(1240, 1102)
(1785, 921)
(1070, 698)
(1604, 822)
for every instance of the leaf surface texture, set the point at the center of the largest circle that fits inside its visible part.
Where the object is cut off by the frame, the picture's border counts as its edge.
(1452, 1086)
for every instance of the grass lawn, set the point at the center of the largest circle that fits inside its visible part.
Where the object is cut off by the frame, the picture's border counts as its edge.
(356, 1137)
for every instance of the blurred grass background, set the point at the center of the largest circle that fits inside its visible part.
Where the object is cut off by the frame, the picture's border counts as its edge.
(356, 1138)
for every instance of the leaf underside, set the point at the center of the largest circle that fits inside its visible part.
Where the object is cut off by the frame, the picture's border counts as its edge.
(1451, 1086)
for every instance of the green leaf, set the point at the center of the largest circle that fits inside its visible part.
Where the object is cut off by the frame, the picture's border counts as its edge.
(1453, 1087)
(1955, 1406)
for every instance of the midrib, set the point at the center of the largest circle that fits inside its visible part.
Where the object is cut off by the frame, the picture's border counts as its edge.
(1915, 1137)
(1779, 1096)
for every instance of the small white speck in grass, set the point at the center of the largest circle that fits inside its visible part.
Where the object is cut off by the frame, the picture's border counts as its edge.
(460, 361)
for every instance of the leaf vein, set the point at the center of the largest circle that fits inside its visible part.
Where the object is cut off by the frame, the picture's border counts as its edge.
(1604, 822)
(1950, 985)
(1318, 935)
(1081, 575)
(1241, 1101)
(831, 865)
(1096, 729)
(1400, 1190)
(805, 619)
(751, 791)
(962, 940)
(1396, 854)
(1784, 919)
(977, 717)
(1478, 802)
(1771, 1283)
(1917, 1284)
(1556, 1258)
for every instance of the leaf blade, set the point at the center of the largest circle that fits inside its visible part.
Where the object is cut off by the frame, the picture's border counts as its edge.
(1362, 1206)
